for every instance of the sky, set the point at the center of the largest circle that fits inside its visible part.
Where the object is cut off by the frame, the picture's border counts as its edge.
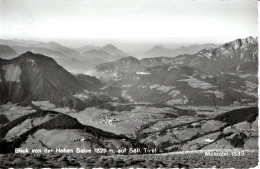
(129, 20)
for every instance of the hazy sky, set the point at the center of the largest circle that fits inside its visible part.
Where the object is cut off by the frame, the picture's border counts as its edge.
(128, 20)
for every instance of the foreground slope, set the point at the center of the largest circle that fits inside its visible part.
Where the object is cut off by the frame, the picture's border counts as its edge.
(50, 129)
(228, 132)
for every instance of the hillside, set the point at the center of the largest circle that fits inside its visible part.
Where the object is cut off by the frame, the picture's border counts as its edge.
(89, 82)
(225, 75)
(172, 130)
(42, 127)
(161, 51)
(37, 77)
(124, 64)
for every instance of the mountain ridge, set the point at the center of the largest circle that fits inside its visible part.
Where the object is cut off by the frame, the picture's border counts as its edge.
(162, 51)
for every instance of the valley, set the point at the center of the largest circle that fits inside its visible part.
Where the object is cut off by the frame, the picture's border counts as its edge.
(189, 103)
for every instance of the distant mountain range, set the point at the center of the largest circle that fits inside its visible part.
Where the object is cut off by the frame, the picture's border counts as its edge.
(87, 57)
(79, 59)
(52, 49)
(92, 56)
(161, 51)
(112, 50)
(224, 75)
(104, 54)
(109, 48)
(158, 51)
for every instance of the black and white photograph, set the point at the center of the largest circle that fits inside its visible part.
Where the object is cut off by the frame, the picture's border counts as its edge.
(129, 84)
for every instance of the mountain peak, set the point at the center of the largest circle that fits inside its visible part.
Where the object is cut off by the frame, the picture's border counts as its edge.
(158, 47)
(111, 49)
(158, 50)
(53, 43)
(129, 58)
(28, 53)
(34, 55)
(240, 43)
(250, 39)
(33, 58)
(110, 46)
(96, 51)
